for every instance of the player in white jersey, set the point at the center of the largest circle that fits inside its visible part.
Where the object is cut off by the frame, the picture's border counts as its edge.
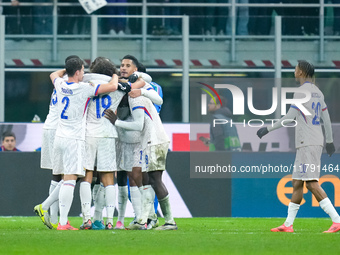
(130, 150)
(70, 135)
(100, 143)
(155, 143)
(49, 130)
(309, 142)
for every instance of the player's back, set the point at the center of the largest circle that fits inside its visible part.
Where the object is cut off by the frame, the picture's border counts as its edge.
(153, 132)
(96, 124)
(52, 118)
(308, 129)
(71, 107)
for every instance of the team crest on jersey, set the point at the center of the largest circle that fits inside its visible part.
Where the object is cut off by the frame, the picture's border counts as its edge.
(91, 83)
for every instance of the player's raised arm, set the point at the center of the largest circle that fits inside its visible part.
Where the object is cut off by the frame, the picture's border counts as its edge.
(137, 75)
(57, 74)
(109, 87)
(149, 93)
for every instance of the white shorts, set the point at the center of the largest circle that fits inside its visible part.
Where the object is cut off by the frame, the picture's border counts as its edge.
(47, 148)
(129, 156)
(68, 156)
(100, 152)
(307, 163)
(155, 157)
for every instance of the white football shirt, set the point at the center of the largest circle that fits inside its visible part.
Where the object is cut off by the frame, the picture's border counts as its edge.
(147, 120)
(72, 104)
(96, 124)
(308, 129)
(128, 136)
(52, 117)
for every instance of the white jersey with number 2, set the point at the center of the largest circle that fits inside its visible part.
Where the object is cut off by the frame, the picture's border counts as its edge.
(72, 103)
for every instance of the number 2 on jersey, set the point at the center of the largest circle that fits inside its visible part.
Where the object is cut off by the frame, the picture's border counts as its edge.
(105, 102)
(66, 102)
(316, 108)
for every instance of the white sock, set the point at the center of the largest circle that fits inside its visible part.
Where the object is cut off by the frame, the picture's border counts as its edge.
(110, 199)
(136, 200)
(147, 203)
(166, 210)
(122, 200)
(152, 214)
(94, 191)
(85, 200)
(327, 206)
(292, 211)
(99, 203)
(65, 200)
(53, 197)
(54, 208)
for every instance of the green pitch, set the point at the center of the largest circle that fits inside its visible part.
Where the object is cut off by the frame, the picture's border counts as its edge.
(27, 235)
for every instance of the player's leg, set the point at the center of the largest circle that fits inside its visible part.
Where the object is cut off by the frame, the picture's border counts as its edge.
(298, 176)
(54, 208)
(98, 196)
(85, 199)
(135, 181)
(293, 207)
(110, 197)
(161, 191)
(122, 198)
(46, 162)
(42, 209)
(325, 204)
(156, 165)
(106, 165)
(72, 162)
(148, 213)
(65, 201)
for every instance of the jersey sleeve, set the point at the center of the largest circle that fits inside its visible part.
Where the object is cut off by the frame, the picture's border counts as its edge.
(147, 78)
(57, 83)
(137, 112)
(149, 92)
(327, 124)
(91, 89)
(291, 114)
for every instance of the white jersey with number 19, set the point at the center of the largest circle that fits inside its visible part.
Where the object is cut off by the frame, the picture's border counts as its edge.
(96, 124)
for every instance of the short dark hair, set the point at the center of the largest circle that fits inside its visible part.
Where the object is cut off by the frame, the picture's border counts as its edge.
(141, 68)
(103, 66)
(71, 56)
(134, 60)
(307, 68)
(8, 134)
(73, 65)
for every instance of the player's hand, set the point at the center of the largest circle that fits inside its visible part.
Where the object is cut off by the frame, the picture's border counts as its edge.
(133, 78)
(262, 132)
(125, 87)
(330, 148)
(135, 93)
(109, 114)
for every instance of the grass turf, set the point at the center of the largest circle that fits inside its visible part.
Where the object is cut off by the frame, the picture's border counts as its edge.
(28, 235)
